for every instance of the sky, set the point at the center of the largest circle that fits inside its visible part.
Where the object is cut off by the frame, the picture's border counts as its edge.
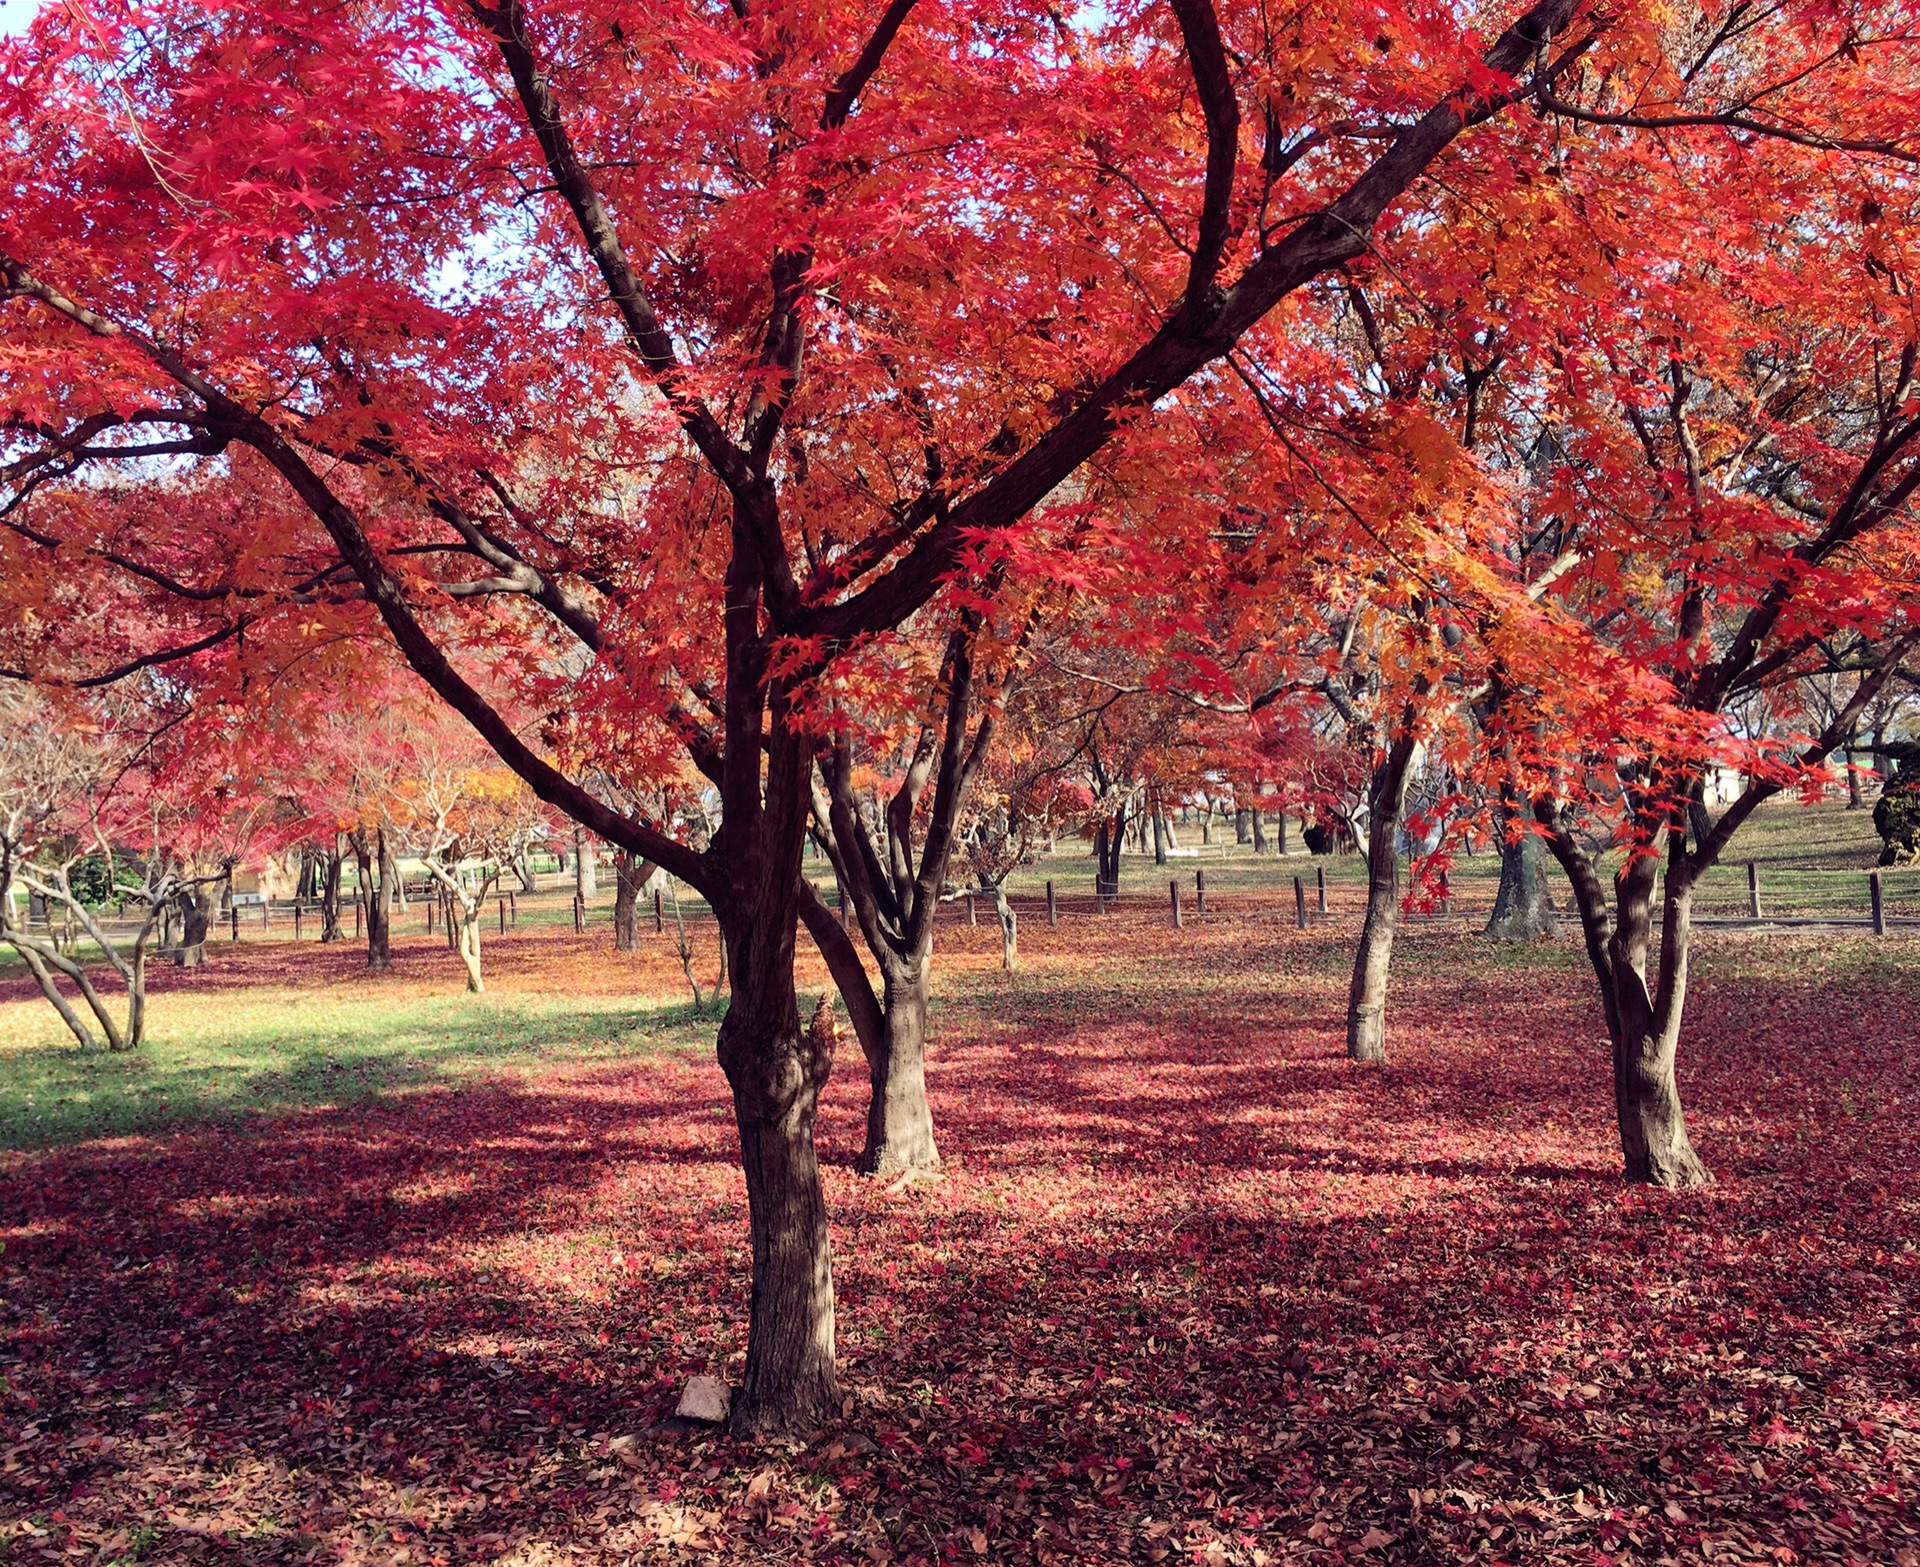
(15, 14)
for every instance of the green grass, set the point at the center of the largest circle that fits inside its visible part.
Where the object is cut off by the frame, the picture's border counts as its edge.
(271, 1051)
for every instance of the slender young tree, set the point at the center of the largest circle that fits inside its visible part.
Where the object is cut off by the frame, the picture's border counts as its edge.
(891, 854)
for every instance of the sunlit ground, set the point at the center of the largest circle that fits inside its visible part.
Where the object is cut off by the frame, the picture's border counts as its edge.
(353, 1269)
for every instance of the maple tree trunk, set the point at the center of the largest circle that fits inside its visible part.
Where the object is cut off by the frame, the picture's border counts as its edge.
(776, 1071)
(1373, 958)
(196, 915)
(469, 941)
(51, 991)
(1854, 801)
(1108, 836)
(1372, 961)
(97, 1003)
(586, 882)
(1699, 820)
(1523, 908)
(1646, 1029)
(1009, 930)
(1159, 833)
(137, 994)
(1259, 833)
(375, 900)
(899, 1120)
(630, 874)
(330, 898)
(1241, 831)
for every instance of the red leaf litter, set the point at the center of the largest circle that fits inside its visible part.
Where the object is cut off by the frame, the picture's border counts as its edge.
(1191, 1289)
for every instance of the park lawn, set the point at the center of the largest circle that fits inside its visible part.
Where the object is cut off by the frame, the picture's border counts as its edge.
(275, 1027)
(1191, 1289)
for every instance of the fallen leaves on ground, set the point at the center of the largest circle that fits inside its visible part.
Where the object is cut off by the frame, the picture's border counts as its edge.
(1192, 1289)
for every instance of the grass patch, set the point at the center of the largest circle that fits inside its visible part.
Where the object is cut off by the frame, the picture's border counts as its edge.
(230, 1056)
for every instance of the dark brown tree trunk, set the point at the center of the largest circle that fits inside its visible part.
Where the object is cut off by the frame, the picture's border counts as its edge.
(1523, 907)
(1699, 819)
(330, 894)
(1159, 832)
(1653, 1126)
(1259, 832)
(1108, 836)
(1241, 831)
(1373, 958)
(196, 915)
(1854, 801)
(376, 900)
(777, 1071)
(1643, 1026)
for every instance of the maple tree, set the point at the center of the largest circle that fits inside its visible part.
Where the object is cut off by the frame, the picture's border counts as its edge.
(891, 825)
(109, 786)
(466, 823)
(643, 364)
(1781, 522)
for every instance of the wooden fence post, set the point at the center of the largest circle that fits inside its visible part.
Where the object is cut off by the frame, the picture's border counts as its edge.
(502, 902)
(1053, 911)
(1320, 879)
(1879, 903)
(513, 908)
(658, 924)
(1200, 892)
(1753, 889)
(358, 904)
(1173, 892)
(297, 911)
(970, 914)
(1300, 902)
(429, 902)
(234, 914)
(579, 914)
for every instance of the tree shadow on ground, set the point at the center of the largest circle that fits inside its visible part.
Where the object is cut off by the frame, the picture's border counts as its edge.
(1197, 1292)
